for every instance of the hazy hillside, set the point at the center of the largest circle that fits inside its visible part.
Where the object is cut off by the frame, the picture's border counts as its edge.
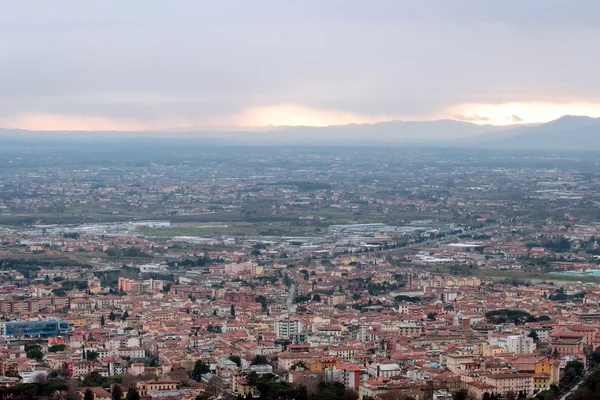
(567, 133)
(393, 131)
(400, 132)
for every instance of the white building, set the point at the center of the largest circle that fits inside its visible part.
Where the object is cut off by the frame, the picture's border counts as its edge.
(284, 329)
(377, 370)
(520, 344)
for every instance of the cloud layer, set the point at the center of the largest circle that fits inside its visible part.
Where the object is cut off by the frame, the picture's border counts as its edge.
(145, 64)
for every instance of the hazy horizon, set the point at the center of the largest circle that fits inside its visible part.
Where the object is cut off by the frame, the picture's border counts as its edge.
(152, 65)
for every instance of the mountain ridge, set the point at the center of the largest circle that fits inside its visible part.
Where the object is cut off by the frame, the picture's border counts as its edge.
(566, 132)
(569, 132)
(414, 131)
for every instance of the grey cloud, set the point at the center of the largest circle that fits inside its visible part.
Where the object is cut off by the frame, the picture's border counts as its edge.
(194, 58)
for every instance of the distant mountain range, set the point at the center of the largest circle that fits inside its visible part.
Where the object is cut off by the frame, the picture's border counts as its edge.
(568, 132)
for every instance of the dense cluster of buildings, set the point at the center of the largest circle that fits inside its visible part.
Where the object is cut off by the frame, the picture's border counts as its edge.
(381, 277)
(376, 328)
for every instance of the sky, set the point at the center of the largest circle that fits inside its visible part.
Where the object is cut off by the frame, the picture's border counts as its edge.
(196, 64)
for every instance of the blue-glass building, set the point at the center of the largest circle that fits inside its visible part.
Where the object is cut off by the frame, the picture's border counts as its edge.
(36, 328)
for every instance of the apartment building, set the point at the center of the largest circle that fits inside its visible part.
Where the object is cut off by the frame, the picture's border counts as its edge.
(284, 329)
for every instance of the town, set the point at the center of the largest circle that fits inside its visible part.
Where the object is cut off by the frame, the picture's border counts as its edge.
(191, 271)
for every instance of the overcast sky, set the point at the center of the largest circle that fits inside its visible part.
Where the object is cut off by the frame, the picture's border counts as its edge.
(144, 64)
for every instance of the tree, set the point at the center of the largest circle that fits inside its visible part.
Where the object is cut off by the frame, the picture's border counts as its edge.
(112, 316)
(534, 336)
(545, 395)
(431, 316)
(35, 354)
(576, 366)
(200, 368)
(252, 378)
(56, 347)
(589, 388)
(460, 395)
(595, 357)
(350, 394)
(88, 395)
(301, 299)
(317, 297)
(47, 280)
(232, 311)
(91, 355)
(125, 315)
(502, 316)
(409, 299)
(102, 321)
(260, 360)
(302, 393)
(94, 379)
(304, 274)
(132, 394)
(236, 359)
(263, 302)
(116, 393)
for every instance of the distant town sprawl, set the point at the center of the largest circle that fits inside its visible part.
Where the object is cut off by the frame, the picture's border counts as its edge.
(195, 271)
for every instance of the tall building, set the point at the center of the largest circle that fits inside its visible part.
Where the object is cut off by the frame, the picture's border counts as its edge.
(520, 344)
(284, 329)
(133, 286)
(336, 298)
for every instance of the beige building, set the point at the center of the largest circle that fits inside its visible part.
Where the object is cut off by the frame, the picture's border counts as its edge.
(336, 298)
(515, 383)
(144, 387)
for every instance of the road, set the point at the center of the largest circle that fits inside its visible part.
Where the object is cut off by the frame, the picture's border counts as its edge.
(576, 386)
